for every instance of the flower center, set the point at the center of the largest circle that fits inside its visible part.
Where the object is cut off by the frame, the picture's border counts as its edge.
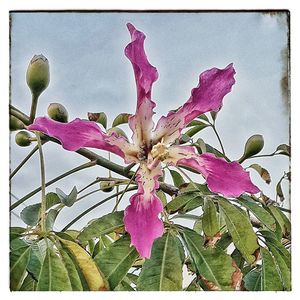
(160, 151)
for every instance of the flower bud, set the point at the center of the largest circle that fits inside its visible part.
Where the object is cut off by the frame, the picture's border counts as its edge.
(58, 112)
(23, 138)
(15, 123)
(254, 145)
(38, 75)
(107, 186)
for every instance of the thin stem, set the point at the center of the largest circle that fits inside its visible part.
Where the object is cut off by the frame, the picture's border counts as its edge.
(43, 183)
(22, 163)
(187, 177)
(19, 115)
(125, 190)
(81, 167)
(95, 206)
(34, 103)
(219, 139)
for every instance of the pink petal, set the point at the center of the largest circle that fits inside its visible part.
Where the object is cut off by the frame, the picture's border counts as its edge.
(82, 133)
(227, 178)
(141, 216)
(145, 75)
(213, 85)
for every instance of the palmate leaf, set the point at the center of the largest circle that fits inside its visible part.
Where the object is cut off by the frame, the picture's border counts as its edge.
(211, 263)
(87, 266)
(240, 229)
(116, 260)
(103, 225)
(163, 271)
(53, 275)
(19, 258)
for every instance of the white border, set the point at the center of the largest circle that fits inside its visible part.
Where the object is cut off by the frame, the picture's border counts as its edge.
(7, 5)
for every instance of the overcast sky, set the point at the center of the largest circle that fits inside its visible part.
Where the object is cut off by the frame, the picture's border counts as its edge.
(89, 72)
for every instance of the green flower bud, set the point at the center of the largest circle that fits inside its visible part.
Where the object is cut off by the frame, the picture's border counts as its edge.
(107, 186)
(23, 138)
(58, 112)
(15, 123)
(254, 145)
(38, 75)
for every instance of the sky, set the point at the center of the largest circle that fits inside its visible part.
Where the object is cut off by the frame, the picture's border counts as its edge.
(90, 73)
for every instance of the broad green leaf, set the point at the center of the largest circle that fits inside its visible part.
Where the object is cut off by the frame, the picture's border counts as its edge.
(103, 225)
(191, 205)
(210, 222)
(259, 212)
(67, 200)
(35, 262)
(103, 242)
(121, 119)
(29, 284)
(72, 271)
(19, 258)
(182, 200)
(30, 214)
(177, 178)
(88, 267)
(264, 174)
(252, 280)
(53, 275)
(198, 226)
(240, 229)
(116, 260)
(282, 267)
(281, 219)
(163, 271)
(225, 241)
(254, 145)
(162, 196)
(211, 263)
(51, 200)
(50, 219)
(194, 130)
(270, 279)
(100, 118)
(124, 286)
(16, 232)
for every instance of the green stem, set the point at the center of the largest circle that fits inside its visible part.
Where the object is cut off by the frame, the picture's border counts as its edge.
(219, 139)
(81, 167)
(43, 184)
(95, 206)
(34, 103)
(22, 163)
(19, 115)
(124, 191)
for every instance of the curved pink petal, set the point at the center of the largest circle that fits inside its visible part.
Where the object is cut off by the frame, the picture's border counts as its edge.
(213, 85)
(141, 216)
(82, 133)
(227, 178)
(145, 75)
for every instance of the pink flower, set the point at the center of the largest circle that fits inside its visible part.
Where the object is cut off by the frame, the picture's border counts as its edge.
(150, 147)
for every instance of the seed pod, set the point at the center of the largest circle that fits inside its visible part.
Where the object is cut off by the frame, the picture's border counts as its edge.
(107, 186)
(15, 123)
(23, 138)
(38, 75)
(58, 112)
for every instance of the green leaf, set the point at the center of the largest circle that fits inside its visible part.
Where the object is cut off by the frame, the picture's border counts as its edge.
(211, 263)
(163, 271)
(124, 286)
(67, 200)
(103, 225)
(194, 130)
(37, 255)
(254, 145)
(225, 241)
(198, 226)
(100, 118)
(30, 214)
(72, 271)
(270, 279)
(50, 219)
(259, 212)
(162, 196)
(203, 117)
(121, 119)
(252, 280)
(283, 149)
(88, 267)
(182, 200)
(116, 260)
(53, 275)
(19, 258)
(177, 178)
(282, 220)
(29, 284)
(240, 229)
(16, 232)
(210, 222)
(51, 200)
(193, 286)
(264, 173)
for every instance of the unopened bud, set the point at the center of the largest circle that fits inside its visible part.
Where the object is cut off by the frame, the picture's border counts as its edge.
(58, 112)
(23, 139)
(254, 145)
(38, 75)
(15, 123)
(107, 186)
